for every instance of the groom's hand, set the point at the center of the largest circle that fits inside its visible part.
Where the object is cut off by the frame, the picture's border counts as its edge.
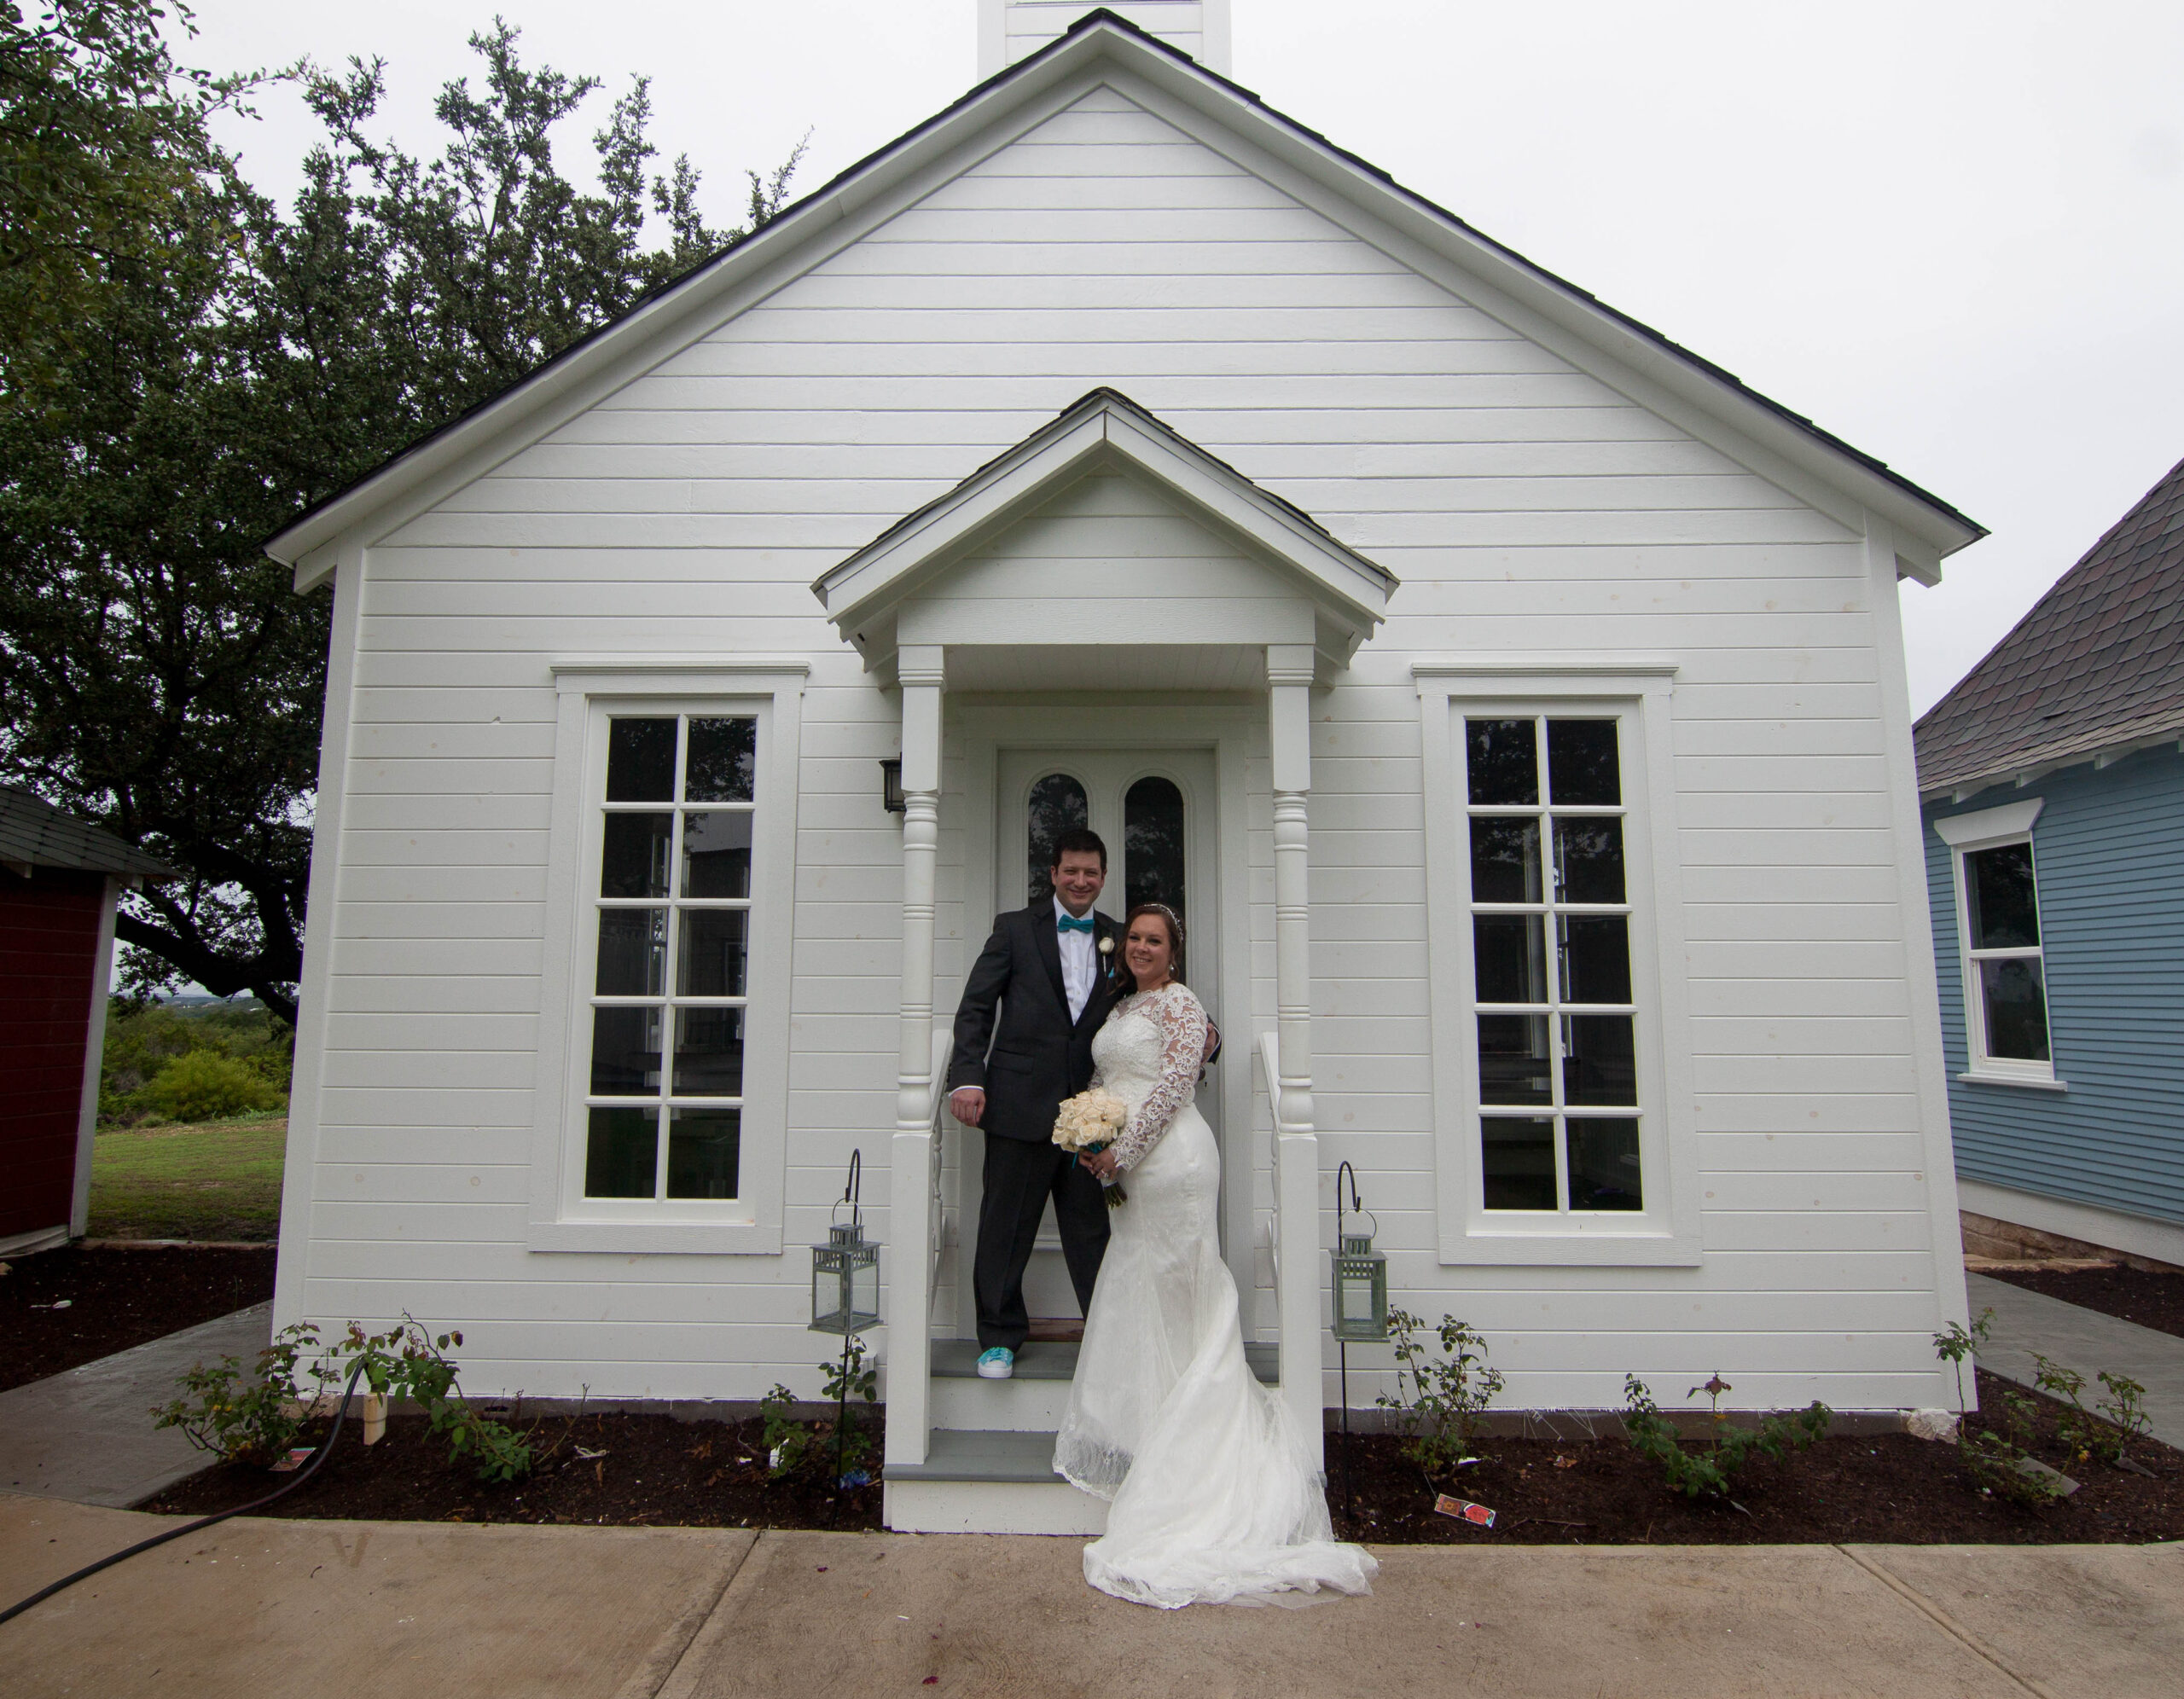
(967, 1104)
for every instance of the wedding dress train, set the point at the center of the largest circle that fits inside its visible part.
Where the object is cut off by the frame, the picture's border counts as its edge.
(1214, 1497)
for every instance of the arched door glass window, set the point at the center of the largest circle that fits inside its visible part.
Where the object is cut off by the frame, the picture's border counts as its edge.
(1152, 845)
(1057, 805)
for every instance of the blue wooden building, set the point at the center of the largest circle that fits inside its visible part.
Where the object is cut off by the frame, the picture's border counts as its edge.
(2052, 783)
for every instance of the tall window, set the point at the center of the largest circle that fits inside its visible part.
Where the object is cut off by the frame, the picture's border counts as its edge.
(1057, 805)
(669, 1000)
(1550, 914)
(2001, 914)
(1152, 845)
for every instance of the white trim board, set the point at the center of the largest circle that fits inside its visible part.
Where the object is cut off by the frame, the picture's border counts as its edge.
(2139, 1235)
(1988, 825)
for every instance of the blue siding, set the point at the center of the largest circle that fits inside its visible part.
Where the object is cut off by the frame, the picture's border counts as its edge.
(2108, 849)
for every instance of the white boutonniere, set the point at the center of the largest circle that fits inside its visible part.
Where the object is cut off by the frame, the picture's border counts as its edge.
(1106, 947)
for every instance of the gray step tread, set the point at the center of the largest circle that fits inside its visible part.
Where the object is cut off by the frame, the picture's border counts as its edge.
(973, 1454)
(1056, 1360)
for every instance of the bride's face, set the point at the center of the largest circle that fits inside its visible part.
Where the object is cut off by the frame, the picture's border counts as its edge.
(1148, 949)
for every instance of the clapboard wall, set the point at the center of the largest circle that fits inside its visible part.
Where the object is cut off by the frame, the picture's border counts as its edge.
(1526, 504)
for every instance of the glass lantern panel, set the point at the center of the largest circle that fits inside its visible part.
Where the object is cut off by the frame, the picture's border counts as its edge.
(864, 1287)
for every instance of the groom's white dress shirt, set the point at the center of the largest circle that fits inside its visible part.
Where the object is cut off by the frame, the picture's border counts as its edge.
(1077, 954)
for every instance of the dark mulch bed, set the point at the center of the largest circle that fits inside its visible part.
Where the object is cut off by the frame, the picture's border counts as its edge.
(2130, 1293)
(653, 1470)
(641, 1471)
(1882, 1488)
(116, 1299)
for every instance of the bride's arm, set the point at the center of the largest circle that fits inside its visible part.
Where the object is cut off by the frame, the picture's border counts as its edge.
(1181, 1021)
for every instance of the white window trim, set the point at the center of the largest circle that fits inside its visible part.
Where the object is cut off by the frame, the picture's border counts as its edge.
(1965, 834)
(587, 686)
(1668, 1233)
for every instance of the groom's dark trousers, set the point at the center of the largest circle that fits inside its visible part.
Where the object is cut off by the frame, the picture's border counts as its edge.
(1014, 1040)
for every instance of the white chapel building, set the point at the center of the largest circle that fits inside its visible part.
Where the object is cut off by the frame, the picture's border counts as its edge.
(1513, 702)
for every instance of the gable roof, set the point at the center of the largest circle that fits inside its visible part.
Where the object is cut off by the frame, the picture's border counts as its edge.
(2096, 667)
(1105, 428)
(33, 833)
(1927, 527)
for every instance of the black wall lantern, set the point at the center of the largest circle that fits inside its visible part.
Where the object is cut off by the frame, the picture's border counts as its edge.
(891, 785)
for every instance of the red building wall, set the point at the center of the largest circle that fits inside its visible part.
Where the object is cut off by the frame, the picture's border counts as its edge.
(48, 946)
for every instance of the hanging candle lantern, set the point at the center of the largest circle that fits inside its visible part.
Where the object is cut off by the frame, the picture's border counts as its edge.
(1361, 1273)
(845, 1270)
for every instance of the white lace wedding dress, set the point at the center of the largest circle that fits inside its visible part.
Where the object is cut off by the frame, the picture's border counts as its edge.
(1215, 1498)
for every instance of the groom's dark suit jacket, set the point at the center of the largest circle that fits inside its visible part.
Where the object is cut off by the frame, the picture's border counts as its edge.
(1015, 1040)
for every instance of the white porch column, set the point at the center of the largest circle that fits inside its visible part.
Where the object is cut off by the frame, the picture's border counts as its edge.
(1289, 670)
(910, 1226)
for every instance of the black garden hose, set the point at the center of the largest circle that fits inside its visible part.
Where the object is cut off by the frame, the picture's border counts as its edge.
(310, 1469)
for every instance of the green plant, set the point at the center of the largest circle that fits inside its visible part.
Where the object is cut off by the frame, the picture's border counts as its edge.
(405, 1362)
(852, 1376)
(1438, 1401)
(1706, 1470)
(793, 1446)
(244, 1415)
(2104, 1432)
(203, 1085)
(1955, 1342)
(788, 1441)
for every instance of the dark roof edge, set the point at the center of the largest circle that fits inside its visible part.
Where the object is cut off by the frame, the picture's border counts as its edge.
(1098, 16)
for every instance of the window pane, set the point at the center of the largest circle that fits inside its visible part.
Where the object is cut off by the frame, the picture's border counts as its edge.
(710, 962)
(634, 861)
(641, 761)
(1503, 758)
(1517, 1160)
(2017, 1009)
(1595, 959)
(701, 1151)
(709, 1053)
(1505, 860)
(724, 760)
(1604, 1164)
(2004, 913)
(1514, 1065)
(717, 854)
(1599, 1059)
(632, 953)
(1582, 766)
(1589, 860)
(1057, 805)
(619, 1152)
(1152, 845)
(1511, 951)
(625, 1052)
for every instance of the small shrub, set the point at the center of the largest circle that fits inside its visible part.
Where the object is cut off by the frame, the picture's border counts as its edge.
(1438, 1402)
(2105, 1432)
(793, 1446)
(787, 1440)
(1706, 1470)
(1955, 1342)
(244, 1415)
(203, 1084)
(405, 1362)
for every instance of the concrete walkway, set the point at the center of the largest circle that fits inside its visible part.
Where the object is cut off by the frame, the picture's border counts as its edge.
(2084, 1340)
(87, 1434)
(284, 1607)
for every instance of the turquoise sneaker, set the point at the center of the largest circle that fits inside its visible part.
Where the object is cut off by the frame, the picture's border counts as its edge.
(996, 1364)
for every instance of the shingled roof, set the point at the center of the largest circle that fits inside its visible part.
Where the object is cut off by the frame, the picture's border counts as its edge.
(37, 834)
(2096, 667)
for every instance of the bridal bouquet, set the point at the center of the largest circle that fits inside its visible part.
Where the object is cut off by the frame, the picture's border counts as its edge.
(1088, 1124)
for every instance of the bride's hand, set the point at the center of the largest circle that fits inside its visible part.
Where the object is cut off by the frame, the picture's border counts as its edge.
(1102, 1165)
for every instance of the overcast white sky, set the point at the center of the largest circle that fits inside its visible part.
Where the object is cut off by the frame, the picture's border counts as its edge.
(1952, 233)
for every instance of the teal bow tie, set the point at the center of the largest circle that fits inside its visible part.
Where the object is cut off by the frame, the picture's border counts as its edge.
(1064, 924)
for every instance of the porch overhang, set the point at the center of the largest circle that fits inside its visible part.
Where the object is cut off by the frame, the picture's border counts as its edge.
(890, 592)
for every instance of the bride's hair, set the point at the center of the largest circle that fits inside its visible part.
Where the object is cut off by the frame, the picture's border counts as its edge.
(1174, 922)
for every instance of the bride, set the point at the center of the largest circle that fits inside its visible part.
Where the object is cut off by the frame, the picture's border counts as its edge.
(1214, 1496)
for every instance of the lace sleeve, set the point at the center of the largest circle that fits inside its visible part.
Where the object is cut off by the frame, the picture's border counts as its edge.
(1182, 1020)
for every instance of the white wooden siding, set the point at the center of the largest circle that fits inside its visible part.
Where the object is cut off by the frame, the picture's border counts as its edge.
(1525, 504)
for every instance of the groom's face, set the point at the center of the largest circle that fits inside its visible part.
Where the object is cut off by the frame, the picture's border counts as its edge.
(1078, 879)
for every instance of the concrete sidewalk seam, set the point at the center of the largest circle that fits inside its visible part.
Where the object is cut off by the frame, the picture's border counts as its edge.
(1919, 1601)
(681, 1682)
(660, 1664)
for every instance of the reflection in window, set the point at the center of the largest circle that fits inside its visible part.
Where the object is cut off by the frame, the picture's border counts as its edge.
(2002, 926)
(1551, 960)
(1057, 805)
(671, 974)
(1152, 845)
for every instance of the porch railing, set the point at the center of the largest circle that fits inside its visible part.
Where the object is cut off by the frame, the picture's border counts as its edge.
(915, 1228)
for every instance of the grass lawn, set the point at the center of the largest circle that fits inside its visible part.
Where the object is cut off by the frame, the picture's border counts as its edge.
(219, 1179)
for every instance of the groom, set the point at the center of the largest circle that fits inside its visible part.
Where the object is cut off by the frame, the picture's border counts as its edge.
(1036, 994)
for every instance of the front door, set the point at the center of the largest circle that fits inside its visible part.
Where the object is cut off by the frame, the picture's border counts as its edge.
(1155, 808)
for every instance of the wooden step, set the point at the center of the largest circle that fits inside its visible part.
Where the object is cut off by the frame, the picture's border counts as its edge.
(988, 1481)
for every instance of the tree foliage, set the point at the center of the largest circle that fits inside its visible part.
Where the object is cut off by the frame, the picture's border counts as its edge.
(231, 363)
